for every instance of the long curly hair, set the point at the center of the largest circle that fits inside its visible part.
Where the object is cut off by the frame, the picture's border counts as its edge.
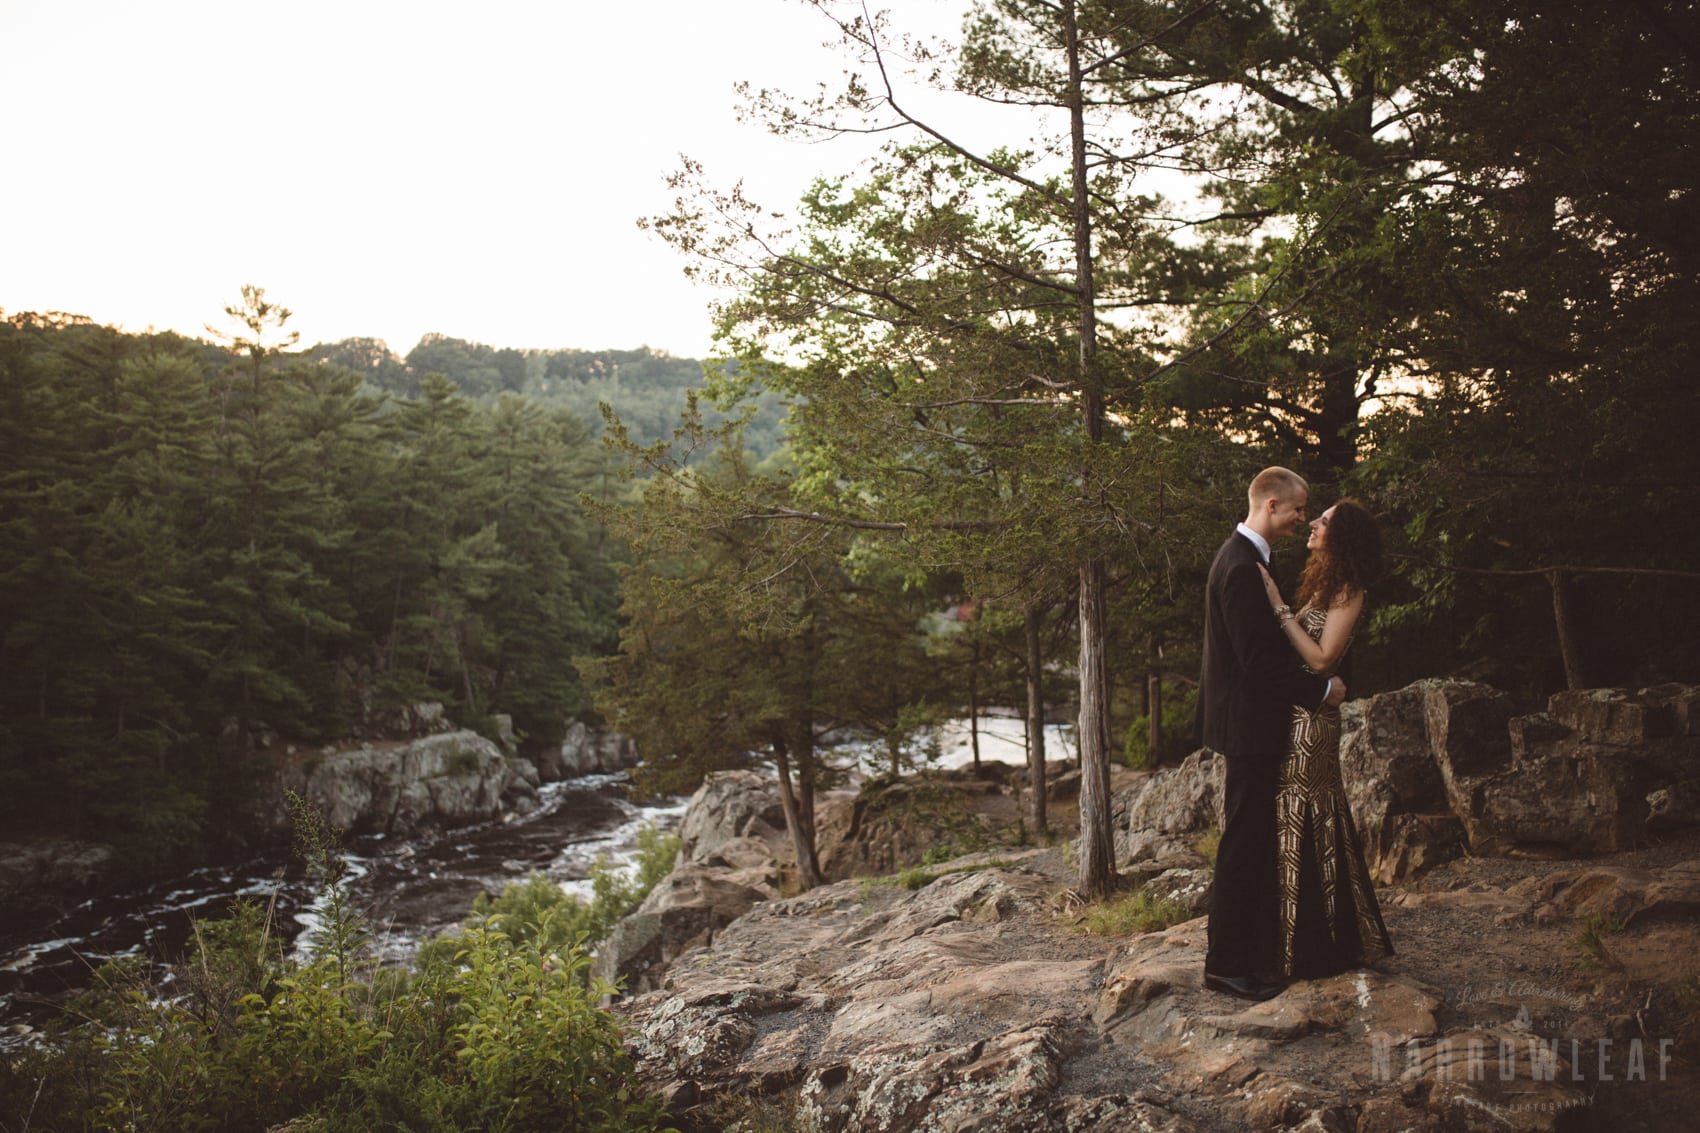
(1348, 560)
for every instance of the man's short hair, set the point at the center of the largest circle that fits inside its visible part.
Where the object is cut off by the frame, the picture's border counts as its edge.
(1281, 483)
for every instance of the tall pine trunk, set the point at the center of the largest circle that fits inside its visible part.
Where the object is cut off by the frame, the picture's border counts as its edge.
(1097, 846)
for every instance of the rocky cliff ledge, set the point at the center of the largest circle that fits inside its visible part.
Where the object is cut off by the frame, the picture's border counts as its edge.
(1549, 984)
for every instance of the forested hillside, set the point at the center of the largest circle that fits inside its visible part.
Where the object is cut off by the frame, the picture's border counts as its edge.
(203, 545)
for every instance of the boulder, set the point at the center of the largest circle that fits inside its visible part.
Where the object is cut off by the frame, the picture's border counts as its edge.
(729, 805)
(684, 911)
(413, 721)
(1467, 728)
(1170, 807)
(1619, 717)
(1411, 844)
(1385, 756)
(1389, 774)
(1594, 773)
(43, 875)
(890, 824)
(399, 788)
(1186, 887)
(588, 751)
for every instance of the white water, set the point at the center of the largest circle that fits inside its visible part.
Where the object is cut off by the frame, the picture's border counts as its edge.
(408, 889)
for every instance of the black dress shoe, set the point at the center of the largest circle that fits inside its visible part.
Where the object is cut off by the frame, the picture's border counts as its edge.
(1245, 987)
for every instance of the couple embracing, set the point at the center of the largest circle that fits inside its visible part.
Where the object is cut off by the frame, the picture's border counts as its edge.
(1292, 896)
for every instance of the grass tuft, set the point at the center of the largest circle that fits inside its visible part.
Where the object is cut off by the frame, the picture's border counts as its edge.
(1137, 912)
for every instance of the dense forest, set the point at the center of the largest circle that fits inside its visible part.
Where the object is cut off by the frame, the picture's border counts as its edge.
(209, 544)
(646, 389)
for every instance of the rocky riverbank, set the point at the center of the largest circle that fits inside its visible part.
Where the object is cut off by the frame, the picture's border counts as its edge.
(1543, 894)
(429, 776)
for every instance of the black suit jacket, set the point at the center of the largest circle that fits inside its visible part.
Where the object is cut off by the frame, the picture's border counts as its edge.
(1252, 676)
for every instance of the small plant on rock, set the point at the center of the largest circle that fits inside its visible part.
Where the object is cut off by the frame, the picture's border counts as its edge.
(1133, 914)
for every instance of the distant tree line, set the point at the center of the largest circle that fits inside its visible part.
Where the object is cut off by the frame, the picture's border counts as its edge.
(645, 387)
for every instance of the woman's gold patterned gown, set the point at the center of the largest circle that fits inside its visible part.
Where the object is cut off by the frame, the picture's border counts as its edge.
(1330, 921)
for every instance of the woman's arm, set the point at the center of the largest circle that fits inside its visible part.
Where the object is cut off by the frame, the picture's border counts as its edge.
(1320, 656)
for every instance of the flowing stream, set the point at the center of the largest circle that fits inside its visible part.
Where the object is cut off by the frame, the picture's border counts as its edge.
(406, 889)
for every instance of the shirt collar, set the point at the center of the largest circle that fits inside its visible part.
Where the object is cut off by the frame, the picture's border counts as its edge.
(1257, 540)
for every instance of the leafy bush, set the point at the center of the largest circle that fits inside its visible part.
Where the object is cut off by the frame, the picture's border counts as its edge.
(537, 910)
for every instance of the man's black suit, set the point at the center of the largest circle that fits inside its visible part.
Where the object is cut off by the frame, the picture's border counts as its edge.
(1250, 682)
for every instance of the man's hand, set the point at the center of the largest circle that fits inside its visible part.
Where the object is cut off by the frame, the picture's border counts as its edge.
(1336, 692)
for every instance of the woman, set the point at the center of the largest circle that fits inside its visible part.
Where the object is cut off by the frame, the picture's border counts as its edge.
(1329, 918)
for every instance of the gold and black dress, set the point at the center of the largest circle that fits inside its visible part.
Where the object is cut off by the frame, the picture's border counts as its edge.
(1330, 921)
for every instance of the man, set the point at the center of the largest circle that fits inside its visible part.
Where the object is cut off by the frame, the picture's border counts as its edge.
(1250, 682)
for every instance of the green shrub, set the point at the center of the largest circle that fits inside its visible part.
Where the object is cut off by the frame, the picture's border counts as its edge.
(506, 1038)
(538, 910)
(1179, 709)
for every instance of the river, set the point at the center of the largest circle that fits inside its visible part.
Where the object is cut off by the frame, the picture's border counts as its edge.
(406, 889)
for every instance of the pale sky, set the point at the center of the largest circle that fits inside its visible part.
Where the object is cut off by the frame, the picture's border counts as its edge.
(385, 168)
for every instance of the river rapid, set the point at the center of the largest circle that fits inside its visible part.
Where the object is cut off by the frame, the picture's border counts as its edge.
(406, 890)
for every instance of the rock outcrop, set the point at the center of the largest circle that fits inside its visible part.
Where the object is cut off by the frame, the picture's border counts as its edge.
(973, 1004)
(47, 874)
(1160, 819)
(400, 788)
(1524, 989)
(891, 823)
(587, 751)
(1445, 766)
(728, 861)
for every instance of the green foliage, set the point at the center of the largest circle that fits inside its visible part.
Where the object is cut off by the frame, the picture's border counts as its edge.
(921, 876)
(507, 1038)
(1179, 708)
(537, 912)
(960, 845)
(1592, 933)
(203, 545)
(915, 877)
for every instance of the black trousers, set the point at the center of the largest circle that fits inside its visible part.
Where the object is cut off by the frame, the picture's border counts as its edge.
(1243, 903)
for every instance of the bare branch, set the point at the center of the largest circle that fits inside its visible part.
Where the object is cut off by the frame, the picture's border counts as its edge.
(955, 147)
(1181, 20)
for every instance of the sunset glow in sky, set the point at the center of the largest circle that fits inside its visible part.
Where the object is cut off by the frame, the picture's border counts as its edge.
(386, 169)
